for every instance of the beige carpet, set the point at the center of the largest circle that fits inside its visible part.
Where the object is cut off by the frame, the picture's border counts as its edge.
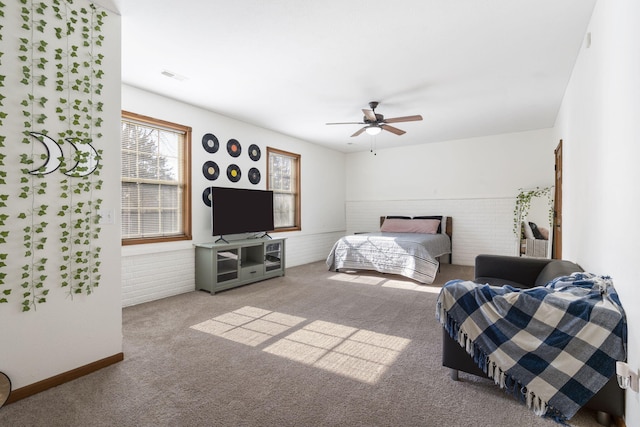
(313, 348)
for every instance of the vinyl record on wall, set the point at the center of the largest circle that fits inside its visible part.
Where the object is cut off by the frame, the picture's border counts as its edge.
(233, 173)
(206, 196)
(210, 143)
(254, 176)
(210, 170)
(254, 152)
(233, 148)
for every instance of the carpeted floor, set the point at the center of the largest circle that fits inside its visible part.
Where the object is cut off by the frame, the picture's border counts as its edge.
(313, 348)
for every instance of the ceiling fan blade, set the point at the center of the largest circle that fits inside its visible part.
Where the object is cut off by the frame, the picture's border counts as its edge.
(346, 123)
(359, 132)
(393, 130)
(370, 115)
(404, 119)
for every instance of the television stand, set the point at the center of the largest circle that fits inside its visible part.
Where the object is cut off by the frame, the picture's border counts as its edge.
(223, 239)
(265, 235)
(220, 266)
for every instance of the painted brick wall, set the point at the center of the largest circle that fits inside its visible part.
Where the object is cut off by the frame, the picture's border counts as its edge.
(148, 277)
(479, 225)
(307, 248)
(152, 276)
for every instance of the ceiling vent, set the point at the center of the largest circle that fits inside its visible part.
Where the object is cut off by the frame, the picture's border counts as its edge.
(173, 75)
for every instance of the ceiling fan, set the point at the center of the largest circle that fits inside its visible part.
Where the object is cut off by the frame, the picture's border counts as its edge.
(375, 123)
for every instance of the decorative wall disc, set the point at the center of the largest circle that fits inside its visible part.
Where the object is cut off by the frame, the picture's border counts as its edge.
(210, 143)
(210, 170)
(233, 173)
(254, 176)
(206, 196)
(233, 148)
(254, 152)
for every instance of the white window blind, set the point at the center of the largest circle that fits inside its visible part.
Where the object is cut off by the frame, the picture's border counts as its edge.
(284, 182)
(153, 180)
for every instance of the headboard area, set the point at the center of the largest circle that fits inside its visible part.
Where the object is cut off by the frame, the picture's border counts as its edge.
(448, 226)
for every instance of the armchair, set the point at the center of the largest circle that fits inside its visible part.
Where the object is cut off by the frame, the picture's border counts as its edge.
(520, 272)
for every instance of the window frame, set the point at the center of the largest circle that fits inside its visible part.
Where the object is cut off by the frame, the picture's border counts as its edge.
(186, 179)
(298, 193)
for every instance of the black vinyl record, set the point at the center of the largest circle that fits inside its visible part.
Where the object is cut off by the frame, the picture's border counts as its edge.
(254, 176)
(210, 143)
(206, 196)
(210, 170)
(233, 148)
(233, 173)
(254, 152)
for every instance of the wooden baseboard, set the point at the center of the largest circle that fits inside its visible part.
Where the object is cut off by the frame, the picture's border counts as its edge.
(62, 378)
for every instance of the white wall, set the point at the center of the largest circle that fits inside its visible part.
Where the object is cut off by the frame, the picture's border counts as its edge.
(475, 181)
(65, 332)
(599, 125)
(323, 194)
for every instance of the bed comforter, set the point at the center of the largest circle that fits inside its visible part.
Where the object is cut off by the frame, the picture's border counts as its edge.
(413, 255)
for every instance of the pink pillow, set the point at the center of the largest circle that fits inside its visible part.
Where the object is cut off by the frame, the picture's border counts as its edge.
(426, 226)
(544, 232)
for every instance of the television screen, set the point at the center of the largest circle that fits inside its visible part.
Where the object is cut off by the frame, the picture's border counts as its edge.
(238, 210)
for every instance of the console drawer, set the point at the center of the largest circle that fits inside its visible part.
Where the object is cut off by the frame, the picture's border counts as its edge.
(251, 271)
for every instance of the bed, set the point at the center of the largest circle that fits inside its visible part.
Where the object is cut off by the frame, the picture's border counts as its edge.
(411, 247)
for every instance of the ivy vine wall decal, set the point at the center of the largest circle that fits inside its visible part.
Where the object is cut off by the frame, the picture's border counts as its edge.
(4, 233)
(58, 198)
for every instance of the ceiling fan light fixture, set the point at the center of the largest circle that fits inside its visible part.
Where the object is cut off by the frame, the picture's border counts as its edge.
(373, 130)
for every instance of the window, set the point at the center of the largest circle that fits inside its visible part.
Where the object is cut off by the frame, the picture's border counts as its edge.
(283, 170)
(156, 180)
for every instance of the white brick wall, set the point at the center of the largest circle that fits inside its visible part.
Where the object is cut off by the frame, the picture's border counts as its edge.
(303, 249)
(148, 277)
(479, 225)
(151, 276)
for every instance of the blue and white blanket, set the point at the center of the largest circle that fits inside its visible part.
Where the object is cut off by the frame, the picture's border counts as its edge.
(553, 346)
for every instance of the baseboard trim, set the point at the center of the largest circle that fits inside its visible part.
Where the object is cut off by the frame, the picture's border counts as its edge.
(64, 377)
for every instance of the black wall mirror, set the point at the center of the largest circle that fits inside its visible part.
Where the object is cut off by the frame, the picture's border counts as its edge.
(5, 388)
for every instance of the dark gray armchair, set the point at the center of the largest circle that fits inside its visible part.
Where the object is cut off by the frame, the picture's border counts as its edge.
(520, 272)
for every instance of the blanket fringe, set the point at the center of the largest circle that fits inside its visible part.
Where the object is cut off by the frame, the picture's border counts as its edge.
(500, 377)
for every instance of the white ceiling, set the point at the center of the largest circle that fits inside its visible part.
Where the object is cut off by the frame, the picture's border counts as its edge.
(469, 67)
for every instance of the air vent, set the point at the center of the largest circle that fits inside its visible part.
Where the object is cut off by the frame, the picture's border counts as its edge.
(173, 75)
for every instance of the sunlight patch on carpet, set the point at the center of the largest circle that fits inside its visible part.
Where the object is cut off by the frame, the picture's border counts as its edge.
(297, 351)
(354, 353)
(248, 325)
(399, 284)
(351, 352)
(365, 280)
(394, 281)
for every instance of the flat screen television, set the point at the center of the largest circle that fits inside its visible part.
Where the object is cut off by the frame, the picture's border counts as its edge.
(238, 210)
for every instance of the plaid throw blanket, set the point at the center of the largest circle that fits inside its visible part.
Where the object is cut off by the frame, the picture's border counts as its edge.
(553, 346)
